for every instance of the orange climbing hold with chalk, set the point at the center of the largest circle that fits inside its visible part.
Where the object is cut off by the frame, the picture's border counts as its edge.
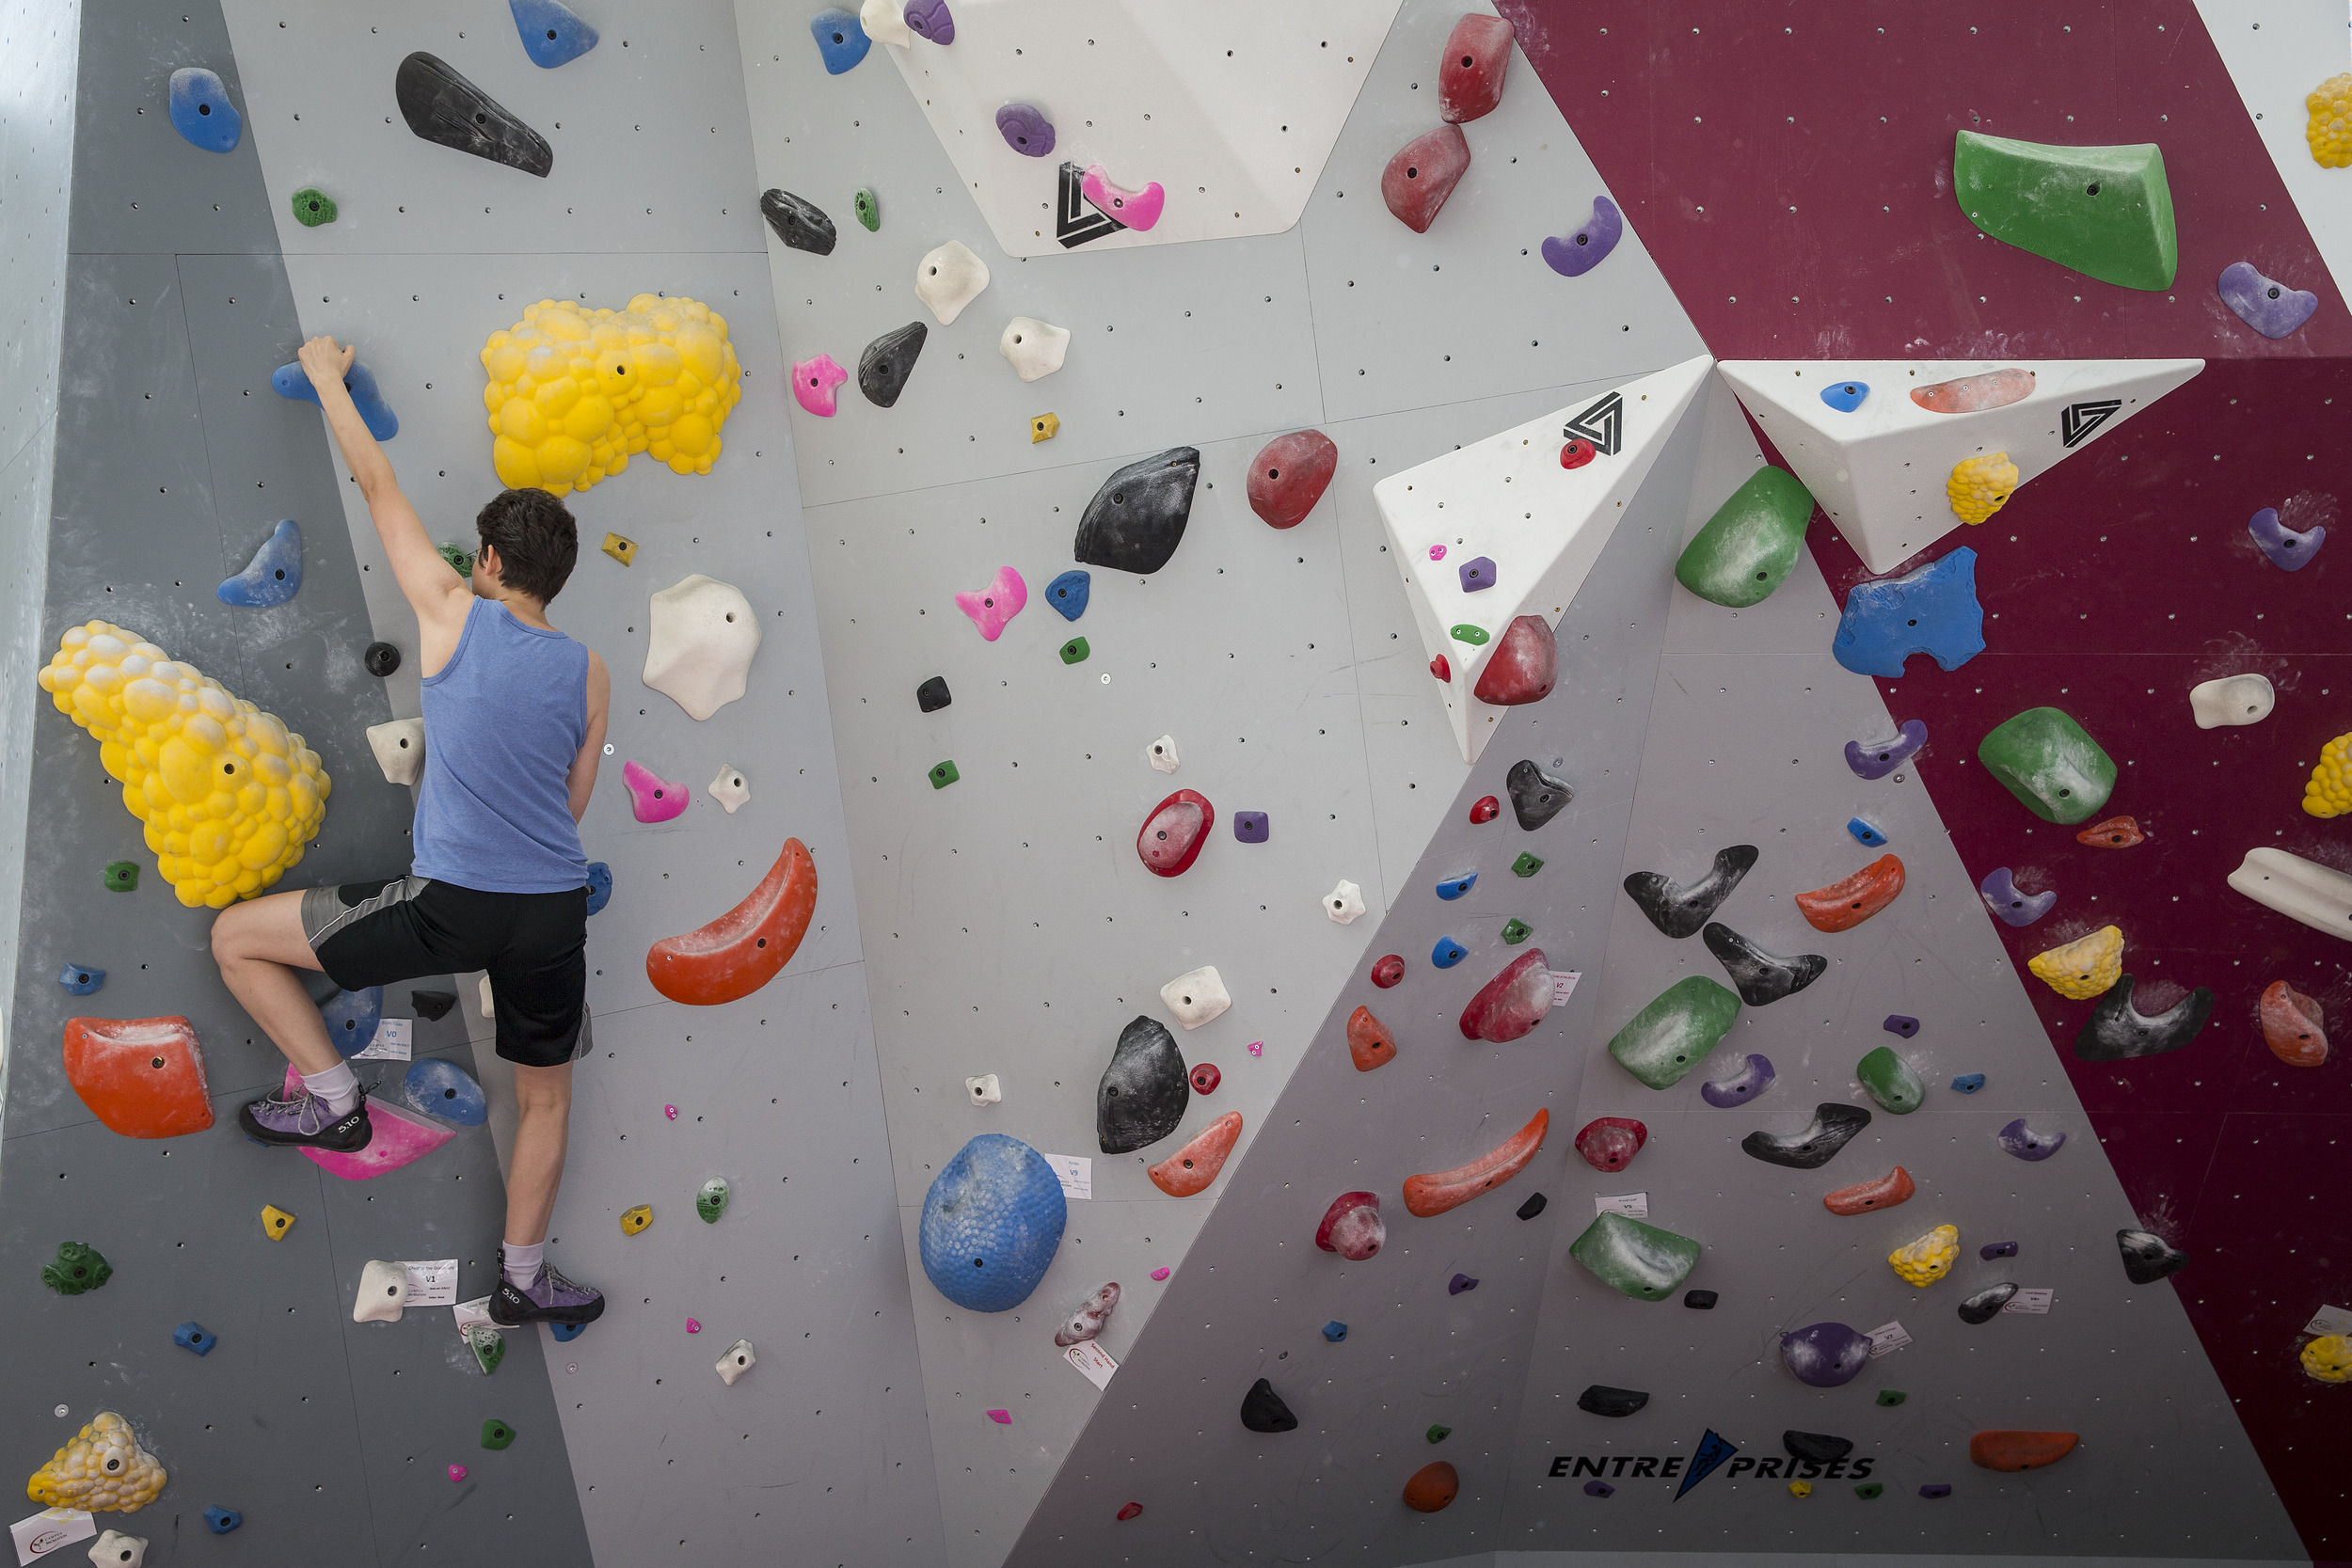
(1843, 906)
(744, 949)
(2293, 1025)
(1369, 1042)
(143, 1077)
(1191, 1168)
(1435, 1191)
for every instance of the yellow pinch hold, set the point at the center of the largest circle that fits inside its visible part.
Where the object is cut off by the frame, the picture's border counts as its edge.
(620, 549)
(634, 1220)
(2330, 792)
(1928, 1258)
(1980, 486)
(2329, 1358)
(2083, 968)
(2329, 131)
(102, 1470)
(1043, 428)
(275, 1222)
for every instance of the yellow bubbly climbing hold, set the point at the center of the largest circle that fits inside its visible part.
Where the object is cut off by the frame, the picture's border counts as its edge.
(229, 797)
(1928, 1258)
(102, 1470)
(621, 549)
(2329, 1358)
(2085, 967)
(573, 392)
(2331, 130)
(1980, 486)
(2329, 793)
(634, 1220)
(275, 1222)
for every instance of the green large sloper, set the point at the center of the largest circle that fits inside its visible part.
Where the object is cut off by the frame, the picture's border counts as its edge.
(1749, 547)
(1674, 1033)
(2105, 212)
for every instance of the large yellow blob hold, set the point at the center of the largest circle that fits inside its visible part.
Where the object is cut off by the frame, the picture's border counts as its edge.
(574, 392)
(2329, 791)
(2083, 968)
(229, 797)
(103, 1471)
(2330, 129)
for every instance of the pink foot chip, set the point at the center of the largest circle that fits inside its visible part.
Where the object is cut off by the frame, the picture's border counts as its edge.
(1160, 1273)
(693, 1327)
(814, 383)
(1135, 209)
(1002, 1418)
(996, 604)
(399, 1139)
(651, 798)
(670, 1111)
(1257, 1048)
(457, 1472)
(1437, 552)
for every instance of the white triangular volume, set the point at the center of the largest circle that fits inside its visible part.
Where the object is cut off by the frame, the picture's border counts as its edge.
(1508, 498)
(1879, 470)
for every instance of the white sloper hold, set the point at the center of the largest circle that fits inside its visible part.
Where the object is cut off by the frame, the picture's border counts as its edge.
(118, 1550)
(730, 789)
(2231, 700)
(884, 21)
(399, 749)
(482, 997)
(1539, 501)
(383, 1293)
(1161, 755)
(2318, 895)
(1344, 902)
(738, 1360)
(949, 279)
(1034, 348)
(984, 1089)
(702, 639)
(1196, 996)
(1878, 467)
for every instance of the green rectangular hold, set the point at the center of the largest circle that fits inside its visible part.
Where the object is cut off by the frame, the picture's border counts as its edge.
(2050, 762)
(1641, 1260)
(944, 774)
(2105, 212)
(1526, 864)
(1674, 1033)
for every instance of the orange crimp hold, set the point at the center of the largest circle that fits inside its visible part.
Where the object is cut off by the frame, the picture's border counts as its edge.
(229, 797)
(2020, 1450)
(1369, 1042)
(143, 1077)
(2330, 129)
(1883, 1191)
(2116, 833)
(1843, 906)
(744, 949)
(1191, 1168)
(2293, 1025)
(1435, 1191)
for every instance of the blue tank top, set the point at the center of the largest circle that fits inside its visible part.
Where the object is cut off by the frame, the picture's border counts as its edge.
(503, 721)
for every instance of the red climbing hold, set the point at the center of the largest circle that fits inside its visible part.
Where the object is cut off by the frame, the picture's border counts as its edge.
(741, 950)
(1525, 665)
(1352, 1227)
(1172, 835)
(1205, 1078)
(1385, 972)
(1439, 668)
(1290, 474)
(1974, 394)
(1486, 809)
(1369, 1042)
(1130, 1511)
(1576, 452)
(1423, 174)
(1511, 1003)
(1610, 1143)
(1863, 1198)
(2020, 1450)
(1191, 1168)
(1469, 73)
(2293, 1025)
(1435, 1191)
(1432, 1487)
(2116, 833)
(143, 1077)
(1843, 906)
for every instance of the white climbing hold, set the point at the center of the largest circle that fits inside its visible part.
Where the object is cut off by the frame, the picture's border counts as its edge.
(2318, 895)
(1196, 996)
(383, 1291)
(730, 789)
(399, 749)
(117, 1550)
(949, 279)
(884, 21)
(1161, 753)
(482, 997)
(984, 1089)
(703, 636)
(738, 1360)
(1344, 902)
(2231, 700)
(1034, 347)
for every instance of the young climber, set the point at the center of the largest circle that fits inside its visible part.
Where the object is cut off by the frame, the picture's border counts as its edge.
(514, 725)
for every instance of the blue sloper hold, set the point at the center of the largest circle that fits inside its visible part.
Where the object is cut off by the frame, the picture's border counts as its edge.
(1067, 593)
(444, 1089)
(1863, 833)
(553, 34)
(274, 574)
(1845, 396)
(1933, 610)
(351, 1018)
(565, 1332)
(292, 381)
(1447, 953)
(1453, 887)
(599, 885)
(992, 1223)
(840, 40)
(80, 979)
(200, 110)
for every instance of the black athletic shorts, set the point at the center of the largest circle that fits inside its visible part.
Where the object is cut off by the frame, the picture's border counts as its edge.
(533, 945)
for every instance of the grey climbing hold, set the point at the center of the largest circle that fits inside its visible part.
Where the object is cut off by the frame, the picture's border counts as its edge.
(444, 108)
(1263, 1410)
(2117, 1031)
(1536, 797)
(1761, 977)
(2148, 1257)
(272, 577)
(1598, 1399)
(888, 361)
(1832, 1128)
(932, 694)
(1986, 1303)
(798, 222)
(1136, 519)
(1680, 908)
(1818, 1448)
(1144, 1090)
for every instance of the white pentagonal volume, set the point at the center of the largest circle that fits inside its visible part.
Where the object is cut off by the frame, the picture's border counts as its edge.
(1879, 468)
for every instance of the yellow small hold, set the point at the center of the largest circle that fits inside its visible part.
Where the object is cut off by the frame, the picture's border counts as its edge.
(620, 549)
(2329, 1358)
(1043, 428)
(275, 1222)
(1928, 1258)
(102, 1470)
(2085, 967)
(2329, 793)
(634, 1220)
(1980, 486)
(1801, 1489)
(2331, 130)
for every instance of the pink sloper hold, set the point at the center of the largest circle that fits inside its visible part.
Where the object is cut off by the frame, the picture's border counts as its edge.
(996, 604)
(1513, 1002)
(1423, 174)
(399, 1139)
(814, 382)
(1135, 209)
(1352, 1227)
(652, 798)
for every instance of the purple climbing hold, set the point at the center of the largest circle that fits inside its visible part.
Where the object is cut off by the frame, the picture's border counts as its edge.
(1900, 1024)
(1026, 129)
(1250, 827)
(931, 18)
(1933, 610)
(1996, 1249)
(1825, 1355)
(2269, 308)
(1477, 573)
(1599, 1489)
(2002, 897)
(1459, 1283)
(1755, 1076)
(2287, 550)
(1936, 1489)
(1576, 254)
(2023, 1141)
(1878, 760)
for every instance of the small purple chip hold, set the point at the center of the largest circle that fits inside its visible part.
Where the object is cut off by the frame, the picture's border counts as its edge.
(1996, 1249)
(1026, 130)
(1936, 1489)
(1250, 827)
(1575, 254)
(1900, 1024)
(1599, 1489)
(1459, 1283)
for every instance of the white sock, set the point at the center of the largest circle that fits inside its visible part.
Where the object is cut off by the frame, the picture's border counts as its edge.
(338, 1086)
(522, 1263)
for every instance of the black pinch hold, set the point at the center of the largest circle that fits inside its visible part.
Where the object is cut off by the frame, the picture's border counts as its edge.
(1758, 976)
(1601, 1399)
(1536, 795)
(432, 1005)
(1679, 908)
(1819, 1447)
(1136, 519)
(2116, 1031)
(932, 694)
(1986, 1303)
(2148, 1257)
(444, 108)
(1263, 1410)
(888, 361)
(1832, 1128)
(798, 222)
(1144, 1090)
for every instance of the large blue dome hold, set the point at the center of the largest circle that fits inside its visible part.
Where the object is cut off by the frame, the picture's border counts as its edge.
(992, 1223)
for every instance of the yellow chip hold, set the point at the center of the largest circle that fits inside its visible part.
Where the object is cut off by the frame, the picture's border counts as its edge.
(1043, 428)
(620, 549)
(1801, 1489)
(1980, 486)
(275, 1222)
(2329, 793)
(634, 1220)
(2085, 967)
(2330, 129)
(2329, 1358)
(1928, 1258)
(102, 1470)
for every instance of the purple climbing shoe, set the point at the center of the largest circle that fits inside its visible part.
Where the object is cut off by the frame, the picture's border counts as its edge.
(302, 1120)
(551, 1299)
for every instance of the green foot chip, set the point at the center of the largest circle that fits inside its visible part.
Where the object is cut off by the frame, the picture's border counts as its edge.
(122, 876)
(712, 1200)
(460, 560)
(1074, 651)
(1516, 931)
(1526, 864)
(1439, 1434)
(1470, 634)
(1869, 1489)
(488, 1346)
(496, 1434)
(868, 209)
(312, 207)
(1892, 1396)
(77, 1267)
(944, 774)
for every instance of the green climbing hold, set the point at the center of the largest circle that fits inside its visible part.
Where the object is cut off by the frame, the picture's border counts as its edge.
(1526, 865)
(1470, 634)
(122, 876)
(496, 1434)
(944, 774)
(1674, 1033)
(868, 209)
(2050, 762)
(1892, 1396)
(1439, 1434)
(1869, 1489)
(1516, 931)
(460, 559)
(77, 1267)
(1749, 547)
(712, 1200)
(312, 207)
(1641, 1260)
(1891, 1081)
(1076, 651)
(488, 1346)
(2105, 212)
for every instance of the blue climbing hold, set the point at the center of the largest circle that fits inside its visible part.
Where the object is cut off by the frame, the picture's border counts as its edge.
(566, 1333)
(274, 574)
(1863, 833)
(444, 1089)
(1448, 953)
(195, 1336)
(1067, 593)
(991, 1222)
(1968, 1083)
(1250, 827)
(840, 40)
(599, 885)
(2001, 896)
(1453, 887)
(1845, 396)
(1335, 1331)
(351, 1018)
(222, 1520)
(290, 381)
(80, 979)
(200, 110)
(1900, 1024)
(553, 34)
(1933, 610)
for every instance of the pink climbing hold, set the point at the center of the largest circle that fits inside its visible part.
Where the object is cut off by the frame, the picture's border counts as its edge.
(1352, 1227)
(1257, 1048)
(651, 798)
(1160, 1273)
(670, 1111)
(1423, 174)
(1437, 552)
(1511, 1003)
(1135, 209)
(399, 1139)
(693, 1327)
(1002, 1418)
(457, 1472)
(996, 604)
(814, 383)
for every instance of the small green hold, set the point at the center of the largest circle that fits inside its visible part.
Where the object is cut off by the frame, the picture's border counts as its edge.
(313, 207)
(1891, 1081)
(944, 774)
(1892, 1396)
(122, 876)
(1470, 634)
(1439, 1434)
(77, 1267)
(2105, 212)
(1526, 865)
(1516, 931)
(496, 1434)
(1074, 651)
(1750, 546)
(868, 208)
(1869, 1489)
(488, 1346)
(2050, 762)
(712, 1200)
(460, 560)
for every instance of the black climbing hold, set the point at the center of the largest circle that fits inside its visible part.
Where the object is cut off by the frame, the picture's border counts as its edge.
(798, 222)
(1136, 519)
(1533, 1206)
(2117, 1031)
(1144, 1091)
(932, 694)
(1700, 1301)
(1679, 908)
(1601, 1399)
(888, 361)
(1761, 977)
(1986, 1303)
(444, 108)
(381, 658)
(2148, 1257)
(1536, 797)
(432, 1005)
(1834, 1127)
(1818, 1448)
(1263, 1410)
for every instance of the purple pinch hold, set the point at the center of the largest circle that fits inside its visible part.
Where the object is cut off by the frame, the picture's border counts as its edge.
(1825, 1355)
(2287, 550)
(2023, 1141)
(1575, 254)
(1996, 1249)
(2268, 307)
(931, 18)
(1459, 1283)
(2001, 896)
(1477, 573)
(1877, 761)
(1026, 130)
(1250, 827)
(1755, 1076)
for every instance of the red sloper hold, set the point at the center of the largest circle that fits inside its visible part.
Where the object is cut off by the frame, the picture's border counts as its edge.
(1974, 394)
(1352, 1227)
(1469, 73)
(1170, 838)
(1864, 1197)
(1191, 1168)
(1525, 665)
(2019, 1451)
(1843, 906)
(143, 1077)
(1511, 1003)
(1369, 1042)
(744, 949)
(1485, 809)
(1423, 174)
(1610, 1143)
(2293, 1025)
(1433, 1193)
(1290, 474)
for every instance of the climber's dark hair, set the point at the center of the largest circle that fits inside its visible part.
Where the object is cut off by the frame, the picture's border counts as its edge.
(536, 539)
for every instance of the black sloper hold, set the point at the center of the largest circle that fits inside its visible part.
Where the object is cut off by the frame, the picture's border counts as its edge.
(1832, 1128)
(1536, 797)
(432, 1005)
(1819, 1447)
(1263, 1410)
(1144, 1091)
(444, 108)
(798, 222)
(381, 658)
(1678, 909)
(888, 361)
(1700, 1301)
(2117, 1031)
(932, 694)
(1761, 977)
(2148, 1257)
(1986, 1303)
(1601, 1399)
(1136, 519)
(1533, 1206)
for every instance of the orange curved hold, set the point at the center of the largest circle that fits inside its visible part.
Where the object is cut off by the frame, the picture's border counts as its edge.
(2020, 1450)
(1974, 394)
(1843, 906)
(1191, 1168)
(741, 950)
(1864, 1197)
(1369, 1042)
(1432, 1487)
(143, 1077)
(1435, 1191)
(2116, 833)
(2293, 1025)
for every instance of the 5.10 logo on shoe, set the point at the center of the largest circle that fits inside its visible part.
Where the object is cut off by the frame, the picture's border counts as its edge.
(1714, 1452)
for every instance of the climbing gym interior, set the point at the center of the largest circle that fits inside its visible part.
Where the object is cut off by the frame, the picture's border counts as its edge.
(1388, 782)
